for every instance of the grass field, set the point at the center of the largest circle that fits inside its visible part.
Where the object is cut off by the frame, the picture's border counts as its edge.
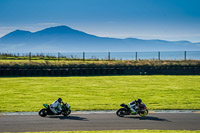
(100, 92)
(124, 131)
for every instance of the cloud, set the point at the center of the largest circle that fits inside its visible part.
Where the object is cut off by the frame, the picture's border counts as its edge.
(5, 30)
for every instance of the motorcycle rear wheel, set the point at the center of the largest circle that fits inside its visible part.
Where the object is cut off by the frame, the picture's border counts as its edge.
(43, 112)
(121, 112)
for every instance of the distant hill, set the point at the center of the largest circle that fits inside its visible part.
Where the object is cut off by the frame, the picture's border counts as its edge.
(66, 39)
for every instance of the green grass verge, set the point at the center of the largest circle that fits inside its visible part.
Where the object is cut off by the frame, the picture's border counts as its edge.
(124, 131)
(100, 92)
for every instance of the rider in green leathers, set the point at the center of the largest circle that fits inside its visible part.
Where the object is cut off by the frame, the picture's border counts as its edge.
(134, 105)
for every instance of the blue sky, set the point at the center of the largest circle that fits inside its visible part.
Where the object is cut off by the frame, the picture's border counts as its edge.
(146, 19)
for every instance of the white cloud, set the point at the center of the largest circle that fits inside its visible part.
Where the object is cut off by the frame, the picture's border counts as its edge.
(5, 30)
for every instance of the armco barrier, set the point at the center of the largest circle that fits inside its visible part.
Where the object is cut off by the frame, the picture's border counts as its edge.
(76, 71)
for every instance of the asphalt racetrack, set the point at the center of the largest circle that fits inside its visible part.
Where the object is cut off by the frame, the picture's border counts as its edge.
(99, 121)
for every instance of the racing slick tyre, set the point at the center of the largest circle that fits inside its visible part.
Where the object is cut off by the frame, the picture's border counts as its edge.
(121, 112)
(43, 112)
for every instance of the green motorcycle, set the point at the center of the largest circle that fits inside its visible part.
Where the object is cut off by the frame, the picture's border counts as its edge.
(66, 110)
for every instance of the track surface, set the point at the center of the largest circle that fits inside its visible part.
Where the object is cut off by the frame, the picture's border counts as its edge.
(106, 121)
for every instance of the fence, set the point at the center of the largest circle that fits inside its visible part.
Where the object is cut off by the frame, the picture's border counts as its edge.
(164, 55)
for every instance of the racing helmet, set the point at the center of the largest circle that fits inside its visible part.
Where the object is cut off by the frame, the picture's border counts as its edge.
(139, 101)
(59, 100)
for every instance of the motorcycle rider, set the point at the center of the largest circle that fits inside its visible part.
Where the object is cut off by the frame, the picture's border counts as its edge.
(55, 107)
(134, 105)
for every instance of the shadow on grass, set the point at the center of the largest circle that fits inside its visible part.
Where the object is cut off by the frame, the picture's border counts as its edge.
(152, 118)
(69, 118)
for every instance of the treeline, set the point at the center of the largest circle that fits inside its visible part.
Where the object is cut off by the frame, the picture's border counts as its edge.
(117, 63)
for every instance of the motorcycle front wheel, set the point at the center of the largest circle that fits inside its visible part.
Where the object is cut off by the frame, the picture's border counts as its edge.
(142, 114)
(43, 112)
(66, 113)
(121, 112)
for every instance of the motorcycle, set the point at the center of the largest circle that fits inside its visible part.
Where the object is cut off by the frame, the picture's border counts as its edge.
(142, 110)
(47, 111)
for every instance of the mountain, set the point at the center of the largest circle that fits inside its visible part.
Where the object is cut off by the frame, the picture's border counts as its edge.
(66, 39)
(16, 36)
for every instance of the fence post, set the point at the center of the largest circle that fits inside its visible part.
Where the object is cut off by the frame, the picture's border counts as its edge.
(109, 56)
(158, 55)
(136, 56)
(30, 56)
(185, 54)
(58, 56)
(83, 56)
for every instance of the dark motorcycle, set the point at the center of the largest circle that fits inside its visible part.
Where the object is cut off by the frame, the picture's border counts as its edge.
(47, 111)
(142, 110)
